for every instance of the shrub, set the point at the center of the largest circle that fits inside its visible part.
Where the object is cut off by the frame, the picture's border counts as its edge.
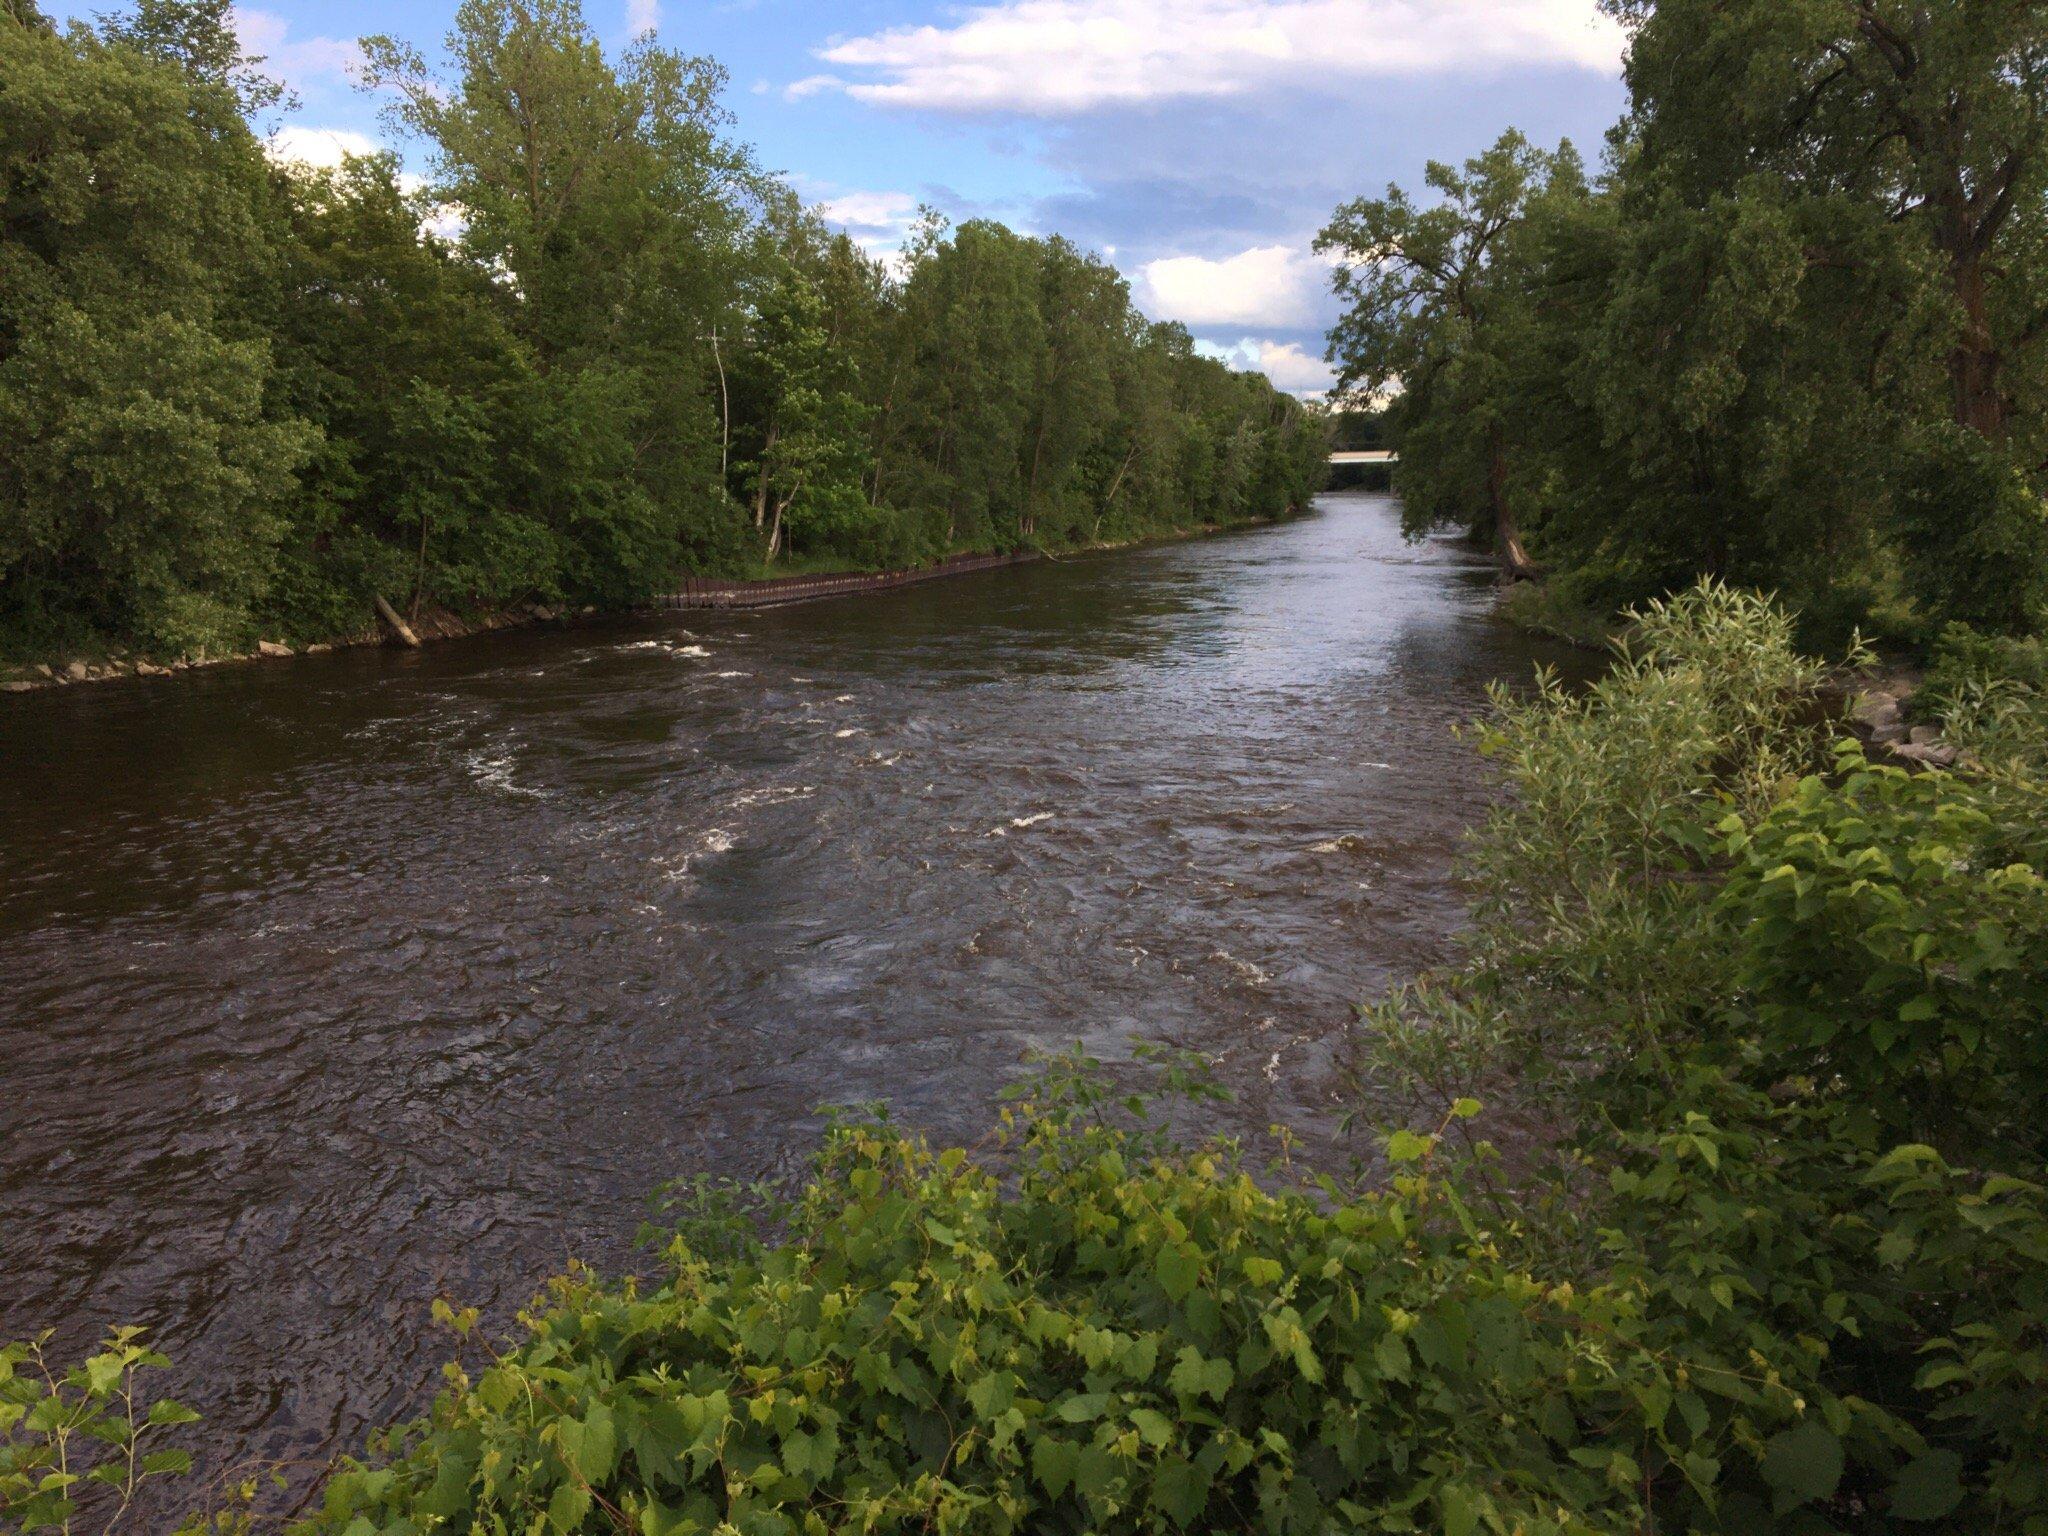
(1889, 952)
(1990, 692)
(1974, 533)
(1123, 1340)
(70, 1433)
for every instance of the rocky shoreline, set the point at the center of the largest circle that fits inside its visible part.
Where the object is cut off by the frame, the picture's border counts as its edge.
(441, 624)
(432, 624)
(1878, 710)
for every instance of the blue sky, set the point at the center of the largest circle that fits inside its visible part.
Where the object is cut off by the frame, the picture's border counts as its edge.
(1197, 143)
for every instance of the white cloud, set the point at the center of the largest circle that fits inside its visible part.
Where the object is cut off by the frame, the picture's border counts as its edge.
(321, 148)
(1052, 57)
(643, 16)
(870, 210)
(1276, 287)
(296, 61)
(877, 221)
(1289, 366)
(811, 85)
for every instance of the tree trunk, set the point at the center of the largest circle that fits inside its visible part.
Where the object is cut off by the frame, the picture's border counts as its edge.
(400, 630)
(1515, 564)
(761, 482)
(1974, 364)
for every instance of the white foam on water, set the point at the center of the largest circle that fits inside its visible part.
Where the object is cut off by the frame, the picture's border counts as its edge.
(773, 794)
(677, 867)
(1251, 973)
(851, 730)
(1031, 821)
(494, 771)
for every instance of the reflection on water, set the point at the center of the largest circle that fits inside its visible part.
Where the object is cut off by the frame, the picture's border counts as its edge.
(335, 984)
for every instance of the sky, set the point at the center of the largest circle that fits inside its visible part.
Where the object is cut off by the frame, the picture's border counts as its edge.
(1198, 144)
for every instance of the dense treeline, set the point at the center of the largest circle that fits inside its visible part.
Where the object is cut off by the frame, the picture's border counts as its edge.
(1795, 335)
(239, 398)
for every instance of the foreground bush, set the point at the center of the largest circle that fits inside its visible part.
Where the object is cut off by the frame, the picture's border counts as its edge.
(1125, 1339)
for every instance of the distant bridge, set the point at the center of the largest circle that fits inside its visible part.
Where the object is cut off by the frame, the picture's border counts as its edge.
(1365, 456)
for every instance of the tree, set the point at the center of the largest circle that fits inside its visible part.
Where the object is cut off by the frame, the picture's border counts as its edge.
(1436, 300)
(801, 394)
(619, 215)
(1936, 113)
(142, 471)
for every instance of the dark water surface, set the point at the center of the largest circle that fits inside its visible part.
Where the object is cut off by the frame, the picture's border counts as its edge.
(328, 986)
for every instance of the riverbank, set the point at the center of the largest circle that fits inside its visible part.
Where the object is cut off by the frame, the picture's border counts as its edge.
(435, 624)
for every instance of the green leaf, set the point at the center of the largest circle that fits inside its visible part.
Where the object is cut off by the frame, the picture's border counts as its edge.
(166, 1461)
(1153, 1427)
(1262, 1271)
(1929, 1487)
(1194, 1376)
(103, 1374)
(599, 1451)
(1407, 1147)
(168, 1412)
(568, 1507)
(1178, 1268)
(1180, 1490)
(1461, 1510)
(1083, 1406)
(1803, 1464)
(1052, 1463)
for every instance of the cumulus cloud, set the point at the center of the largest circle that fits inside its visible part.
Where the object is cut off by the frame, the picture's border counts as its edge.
(1058, 57)
(1290, 366)
(643, 16)
(321, 148)
(296, 61)
(877, 220)
(1273, 287)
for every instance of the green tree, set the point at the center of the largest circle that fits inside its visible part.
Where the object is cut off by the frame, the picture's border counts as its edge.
(609, 197)
(1438, 301)
(142, 474)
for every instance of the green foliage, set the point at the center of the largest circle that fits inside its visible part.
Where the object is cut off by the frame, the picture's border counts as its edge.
(1440, 301)
(142, 469)
(1890, 941)
(1990, 693)
(1112, 1338)
(1974, 531)
(76, 1444)
(599, 348)
(1783, 1011)
(1796, 337)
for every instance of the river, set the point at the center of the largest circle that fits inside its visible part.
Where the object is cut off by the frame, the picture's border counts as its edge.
(336, 984)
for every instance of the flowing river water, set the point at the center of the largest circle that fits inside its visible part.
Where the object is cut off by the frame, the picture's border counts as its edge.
(332, 985)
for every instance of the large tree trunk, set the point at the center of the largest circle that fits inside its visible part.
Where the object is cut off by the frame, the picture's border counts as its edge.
(1515, 564)
(1975, 367)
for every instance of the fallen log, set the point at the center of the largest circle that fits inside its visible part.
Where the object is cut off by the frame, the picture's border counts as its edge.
(398, 629)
